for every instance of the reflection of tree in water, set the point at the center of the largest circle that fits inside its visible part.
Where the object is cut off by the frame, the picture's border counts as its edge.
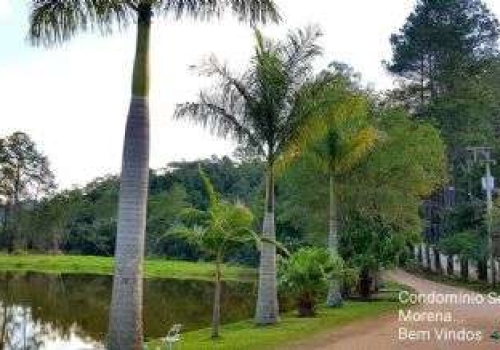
(38, 307)
(17, 329)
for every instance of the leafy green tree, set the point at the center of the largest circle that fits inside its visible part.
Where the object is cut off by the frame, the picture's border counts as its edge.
(266, 110)
(305, 276)
(25, 176)
(382, 194)
(409, 165)
(54, 21)
(370, 244)
(83, 220)
(447, 56)
(467, 245)
(217, 231)
(439, 40)
(42, 225)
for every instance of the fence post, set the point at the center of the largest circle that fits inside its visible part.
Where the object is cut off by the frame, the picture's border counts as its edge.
(472, 265)
(443, 261)
(456, 266)
(425, 261)
(432, 259)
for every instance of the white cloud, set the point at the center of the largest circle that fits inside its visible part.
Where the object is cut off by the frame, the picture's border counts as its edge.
(5, 10)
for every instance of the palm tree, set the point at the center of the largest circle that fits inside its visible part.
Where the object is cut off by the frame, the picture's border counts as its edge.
(55, 21)
(219, 229)
(265, 110)
(347, 142)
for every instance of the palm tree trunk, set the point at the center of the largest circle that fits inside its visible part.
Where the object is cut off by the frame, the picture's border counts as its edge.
(334, 298)
(267, 310)
(217, 293)
(125, 319)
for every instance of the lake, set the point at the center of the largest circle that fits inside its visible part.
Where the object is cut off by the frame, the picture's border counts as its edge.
(70, 312)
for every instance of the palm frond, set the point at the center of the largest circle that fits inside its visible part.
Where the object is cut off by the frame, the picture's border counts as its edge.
(278, 245)
(210, 114)
(358, 147)
(230, 84)
(300, 49)
(192, 216)
(224, 111)
(319, 104)
(252, 11)
(213, 197)
(56, 21)
(193, 235)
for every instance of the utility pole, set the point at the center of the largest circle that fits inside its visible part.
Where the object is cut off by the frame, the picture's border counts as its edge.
(483, 156)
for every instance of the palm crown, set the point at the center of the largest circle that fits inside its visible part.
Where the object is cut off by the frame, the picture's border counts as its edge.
(220, 227)
(265, 107)
(344, 145)
(55, 21)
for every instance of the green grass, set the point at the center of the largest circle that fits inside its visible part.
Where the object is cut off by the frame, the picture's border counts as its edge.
(246, 336)
(155, 268)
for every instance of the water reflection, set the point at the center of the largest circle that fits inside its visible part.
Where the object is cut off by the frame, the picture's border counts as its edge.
(69, 312)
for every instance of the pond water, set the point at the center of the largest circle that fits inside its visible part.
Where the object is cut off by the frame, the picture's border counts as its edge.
(70, 312)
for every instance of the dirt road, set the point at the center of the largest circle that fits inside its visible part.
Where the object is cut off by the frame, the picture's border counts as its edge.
(475, 322)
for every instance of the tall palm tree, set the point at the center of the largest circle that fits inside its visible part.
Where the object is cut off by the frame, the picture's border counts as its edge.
(266, 110)
(54, 21)
(346, 143)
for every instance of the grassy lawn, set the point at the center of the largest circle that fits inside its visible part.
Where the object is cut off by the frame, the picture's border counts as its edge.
(104, 266)
(246, 336)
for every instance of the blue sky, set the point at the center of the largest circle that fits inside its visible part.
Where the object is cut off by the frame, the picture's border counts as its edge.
(73, 99)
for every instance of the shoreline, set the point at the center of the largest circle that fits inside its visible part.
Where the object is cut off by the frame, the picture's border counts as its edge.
(98, 265)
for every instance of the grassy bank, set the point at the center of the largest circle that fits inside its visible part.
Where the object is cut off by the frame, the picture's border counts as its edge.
(292, 329)
(104, 266)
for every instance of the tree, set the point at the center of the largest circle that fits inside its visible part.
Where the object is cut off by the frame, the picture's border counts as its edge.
(266, 110)
(439, 40)
(25, 176)
(371, 244)
(217, 230)
(54, 21)
(345, 139)
(378, 200)
(345, 145)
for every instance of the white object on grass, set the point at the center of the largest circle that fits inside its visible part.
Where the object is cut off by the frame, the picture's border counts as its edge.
(173, 335)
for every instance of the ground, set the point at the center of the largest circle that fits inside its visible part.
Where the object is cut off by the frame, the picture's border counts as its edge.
(381, 333)
(245, 335)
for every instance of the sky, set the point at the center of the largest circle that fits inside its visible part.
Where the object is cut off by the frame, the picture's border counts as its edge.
(73, 99)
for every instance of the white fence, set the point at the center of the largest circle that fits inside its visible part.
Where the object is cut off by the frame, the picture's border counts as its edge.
(429, 258)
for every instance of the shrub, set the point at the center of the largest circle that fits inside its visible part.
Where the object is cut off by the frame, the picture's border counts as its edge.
(305, 275)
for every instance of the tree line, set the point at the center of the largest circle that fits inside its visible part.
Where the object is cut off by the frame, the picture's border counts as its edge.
(447, 61)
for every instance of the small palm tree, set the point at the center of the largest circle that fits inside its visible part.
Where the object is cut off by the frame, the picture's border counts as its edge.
(218, 230)
(266, 110)
(55, 21)
(346, 143)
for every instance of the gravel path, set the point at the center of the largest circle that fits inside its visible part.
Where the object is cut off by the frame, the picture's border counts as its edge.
(383, 333)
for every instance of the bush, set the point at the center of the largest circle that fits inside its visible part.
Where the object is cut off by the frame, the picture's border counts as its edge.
(305, 275)
(467, 244)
